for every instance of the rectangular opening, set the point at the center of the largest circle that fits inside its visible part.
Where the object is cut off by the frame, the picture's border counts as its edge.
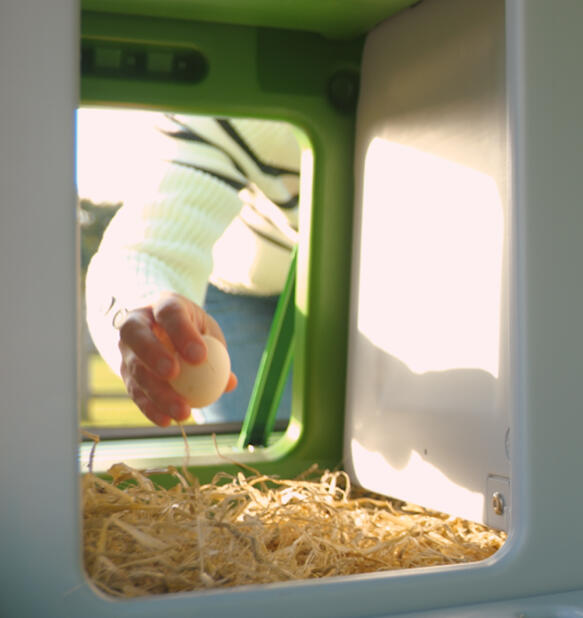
(207, 208)
(324, 110)
(236, 276)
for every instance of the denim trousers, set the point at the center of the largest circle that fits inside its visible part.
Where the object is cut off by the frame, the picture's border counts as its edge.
(245, 322)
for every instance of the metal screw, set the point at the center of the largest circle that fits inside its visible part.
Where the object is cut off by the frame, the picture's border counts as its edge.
(498, 503)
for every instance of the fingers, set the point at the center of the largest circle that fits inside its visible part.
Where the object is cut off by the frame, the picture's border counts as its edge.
(212, 328)
(146, 366)
(153, 395)
(150, 338)
(184, 322)
(232, 383)
(150, 411)
(137, 336)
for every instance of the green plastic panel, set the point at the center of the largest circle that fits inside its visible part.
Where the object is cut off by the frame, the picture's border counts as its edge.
(333, 18)
(300, 77)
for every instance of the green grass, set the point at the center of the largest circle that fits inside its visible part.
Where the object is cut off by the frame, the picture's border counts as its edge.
(102, 380)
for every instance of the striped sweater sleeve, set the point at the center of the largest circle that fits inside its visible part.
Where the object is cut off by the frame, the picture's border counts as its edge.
(162, 237)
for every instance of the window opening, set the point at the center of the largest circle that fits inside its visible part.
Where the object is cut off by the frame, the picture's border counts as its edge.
(125, 162)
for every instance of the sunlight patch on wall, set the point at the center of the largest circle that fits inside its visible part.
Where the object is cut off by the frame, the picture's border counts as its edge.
(440, 492)
(433, 242)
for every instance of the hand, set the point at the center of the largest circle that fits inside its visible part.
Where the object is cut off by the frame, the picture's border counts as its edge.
(147, 364)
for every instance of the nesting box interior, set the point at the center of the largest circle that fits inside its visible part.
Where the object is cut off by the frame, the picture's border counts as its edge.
(436, 303)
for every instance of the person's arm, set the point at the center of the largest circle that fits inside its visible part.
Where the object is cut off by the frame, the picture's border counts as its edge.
(160, 244)
(163, 245)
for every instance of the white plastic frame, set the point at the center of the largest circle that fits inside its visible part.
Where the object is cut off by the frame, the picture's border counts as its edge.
(538, 571)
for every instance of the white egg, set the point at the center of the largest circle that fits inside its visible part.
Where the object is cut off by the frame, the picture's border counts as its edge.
(204, 383)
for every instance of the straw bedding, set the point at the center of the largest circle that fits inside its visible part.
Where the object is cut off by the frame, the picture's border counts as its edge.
(247, 528)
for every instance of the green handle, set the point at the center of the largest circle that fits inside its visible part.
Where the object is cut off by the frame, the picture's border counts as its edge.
(273, 369)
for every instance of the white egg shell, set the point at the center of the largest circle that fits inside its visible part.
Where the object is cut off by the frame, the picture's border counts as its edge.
(204, 383)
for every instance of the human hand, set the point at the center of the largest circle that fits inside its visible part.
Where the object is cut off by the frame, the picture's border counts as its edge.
(147, 364)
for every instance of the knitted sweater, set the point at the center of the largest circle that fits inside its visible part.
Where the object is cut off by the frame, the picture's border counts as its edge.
(220, 204)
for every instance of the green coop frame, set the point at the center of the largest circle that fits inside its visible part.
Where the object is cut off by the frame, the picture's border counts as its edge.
(308, 75)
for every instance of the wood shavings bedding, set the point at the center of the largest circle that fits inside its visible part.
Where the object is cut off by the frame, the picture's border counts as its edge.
(140, 539)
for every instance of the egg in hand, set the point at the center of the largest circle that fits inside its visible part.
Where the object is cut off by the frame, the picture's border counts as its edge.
(203, 383)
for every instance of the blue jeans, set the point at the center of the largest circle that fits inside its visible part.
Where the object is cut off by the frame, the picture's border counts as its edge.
(245, 322)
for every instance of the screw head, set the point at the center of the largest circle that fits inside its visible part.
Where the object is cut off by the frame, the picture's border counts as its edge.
(343, 90)
(498, 503)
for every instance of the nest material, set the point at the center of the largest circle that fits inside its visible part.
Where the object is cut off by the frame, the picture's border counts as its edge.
(140, 539)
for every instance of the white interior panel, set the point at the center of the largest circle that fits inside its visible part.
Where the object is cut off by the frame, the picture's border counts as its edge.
(427, 406)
